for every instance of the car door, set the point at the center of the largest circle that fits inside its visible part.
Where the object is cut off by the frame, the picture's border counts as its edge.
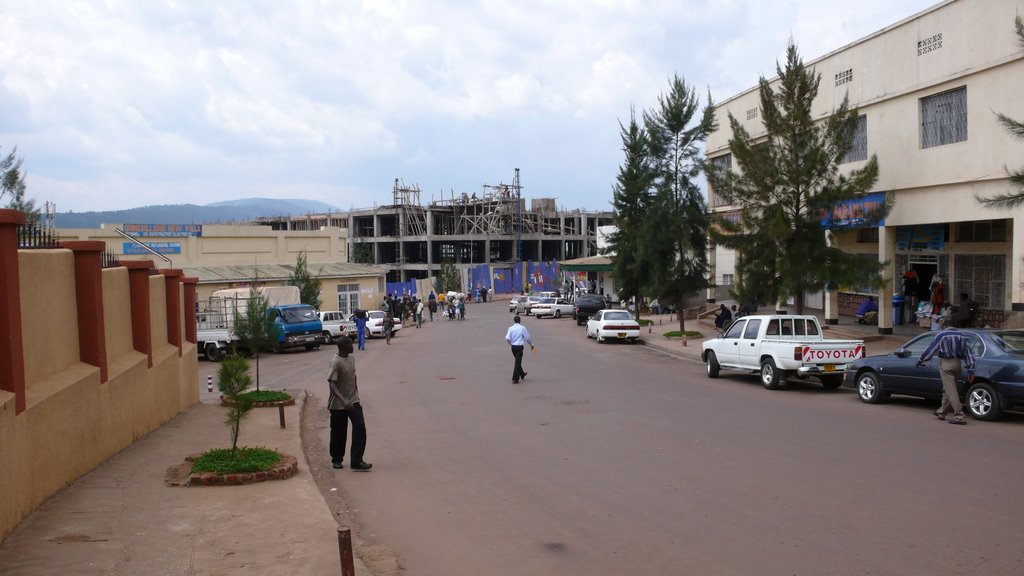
(748, 348)
(901, 374)
(729, 346)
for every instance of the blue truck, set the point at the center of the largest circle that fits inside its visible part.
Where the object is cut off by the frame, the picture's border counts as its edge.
(298, 324)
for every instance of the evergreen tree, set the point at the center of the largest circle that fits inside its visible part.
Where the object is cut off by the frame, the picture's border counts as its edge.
(309, 286)
(786, 185)
(448, 279)
(676, 224)
(12, 186)
(630, 202)
(362, 253)
(256, 330)
(1016, 129)
(233, 380)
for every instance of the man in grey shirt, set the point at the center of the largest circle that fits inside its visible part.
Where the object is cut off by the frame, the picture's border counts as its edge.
(343, 402)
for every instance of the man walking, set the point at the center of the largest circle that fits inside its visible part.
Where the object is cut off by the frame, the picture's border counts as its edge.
(516, 337)
(951, 346)
(343, 402)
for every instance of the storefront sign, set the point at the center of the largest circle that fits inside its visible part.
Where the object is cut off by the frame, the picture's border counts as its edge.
(164, 229)
(158, 247)
(861, 212)
(921, 238)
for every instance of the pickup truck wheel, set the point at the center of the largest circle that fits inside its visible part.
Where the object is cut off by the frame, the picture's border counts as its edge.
(212, 352)
(869, 388)
(770, 375)
(983, 402)
(713, 366)
(558, 313)
(327, 336)
(831, 382)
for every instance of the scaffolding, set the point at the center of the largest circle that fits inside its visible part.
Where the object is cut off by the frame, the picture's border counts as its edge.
(413, 220)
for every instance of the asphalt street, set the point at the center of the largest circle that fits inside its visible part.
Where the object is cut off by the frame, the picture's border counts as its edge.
(617, 458)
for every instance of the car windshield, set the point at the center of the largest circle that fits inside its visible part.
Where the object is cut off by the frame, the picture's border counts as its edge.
(617, 316)
(1011, 341)
(303, 314)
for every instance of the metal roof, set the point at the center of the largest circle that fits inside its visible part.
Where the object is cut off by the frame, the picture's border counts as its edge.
(270, 272)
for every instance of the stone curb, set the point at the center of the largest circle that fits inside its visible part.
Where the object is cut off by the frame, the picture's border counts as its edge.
(286, 468)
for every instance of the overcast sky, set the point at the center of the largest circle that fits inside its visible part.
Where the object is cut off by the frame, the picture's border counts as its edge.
(121, 104)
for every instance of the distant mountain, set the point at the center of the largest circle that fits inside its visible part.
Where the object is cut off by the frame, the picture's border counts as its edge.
(215, 213)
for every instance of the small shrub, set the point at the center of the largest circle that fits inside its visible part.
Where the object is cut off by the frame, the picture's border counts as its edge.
(645, 322)
(220, 461)
(678, 334)
(267, 396)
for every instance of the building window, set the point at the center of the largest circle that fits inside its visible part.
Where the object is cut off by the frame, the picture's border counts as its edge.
(859, 148)
(982, 277)
(944, 118)
(984, 231)
(721, 164)
(867, 235)
(728, 279)
(348, 298)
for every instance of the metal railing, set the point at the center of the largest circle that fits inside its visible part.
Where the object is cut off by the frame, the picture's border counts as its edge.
(31, 238)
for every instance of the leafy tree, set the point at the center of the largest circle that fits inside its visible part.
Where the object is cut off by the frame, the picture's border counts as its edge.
(255, 328)
(12, 186)
(362, 253)
(676, 225)
(448, 279)
(1016, 129)
(233, 380)
(630, 202)
(309, 286)
(786, 185)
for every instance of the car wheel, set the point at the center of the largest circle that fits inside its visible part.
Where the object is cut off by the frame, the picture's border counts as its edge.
(327, 337)
(597, 335)
(770, 375)
(579, 322)
(869, 388)
(713, 366)
(983, 402)
(558, 313)
(831, 382)
(213, 352)
(309, 347)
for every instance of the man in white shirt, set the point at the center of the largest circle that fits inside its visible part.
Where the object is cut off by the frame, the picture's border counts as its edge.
(517, 336)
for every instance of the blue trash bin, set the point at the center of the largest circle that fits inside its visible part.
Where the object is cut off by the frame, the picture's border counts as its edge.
(898, 302)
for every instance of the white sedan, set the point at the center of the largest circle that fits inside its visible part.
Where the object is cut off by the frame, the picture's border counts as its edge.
(514, 301)
(375, 323)
(556, 307)
(615, 324)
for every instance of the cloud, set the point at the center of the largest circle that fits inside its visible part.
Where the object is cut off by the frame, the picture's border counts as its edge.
(117, 104)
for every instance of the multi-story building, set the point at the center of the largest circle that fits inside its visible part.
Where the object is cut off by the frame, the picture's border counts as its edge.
(493, 229)
(928, 89)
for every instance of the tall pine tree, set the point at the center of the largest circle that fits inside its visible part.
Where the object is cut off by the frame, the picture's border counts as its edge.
(786, 185)
(631, 200)
(309, 286)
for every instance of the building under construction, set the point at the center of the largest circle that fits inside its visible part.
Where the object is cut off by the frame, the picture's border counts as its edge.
(492, 227)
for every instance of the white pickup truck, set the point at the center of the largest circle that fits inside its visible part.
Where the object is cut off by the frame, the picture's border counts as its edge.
(778, 346)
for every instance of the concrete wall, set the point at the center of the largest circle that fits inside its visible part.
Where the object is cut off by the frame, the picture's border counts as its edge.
(81, 391)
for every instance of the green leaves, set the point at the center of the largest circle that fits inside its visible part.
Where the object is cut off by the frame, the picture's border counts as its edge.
(233, 380)
(309, 286)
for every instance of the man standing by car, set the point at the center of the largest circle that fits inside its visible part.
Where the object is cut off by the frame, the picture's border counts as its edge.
(952, 347)
(517, 336)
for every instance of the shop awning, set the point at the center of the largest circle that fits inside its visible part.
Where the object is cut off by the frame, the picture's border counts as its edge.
(588, 264)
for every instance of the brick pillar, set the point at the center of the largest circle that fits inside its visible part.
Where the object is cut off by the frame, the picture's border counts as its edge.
(12, 349)
(92, 336)
(142, 324)
(173, 279)
(189, 286)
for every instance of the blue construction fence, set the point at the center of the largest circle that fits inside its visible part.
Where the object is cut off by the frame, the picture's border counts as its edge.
(540, 276)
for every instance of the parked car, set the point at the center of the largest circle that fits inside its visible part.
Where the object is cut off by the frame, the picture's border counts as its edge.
(515, 300)
(779, 346)
(336, 325)
(998, 373)
(524, 306)
(556, 307)
(586, 305)
(614, 324)
(375, 323)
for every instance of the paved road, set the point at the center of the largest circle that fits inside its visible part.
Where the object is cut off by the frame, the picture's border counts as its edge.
(618, 459)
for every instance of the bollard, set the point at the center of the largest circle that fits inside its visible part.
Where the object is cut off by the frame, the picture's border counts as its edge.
(348, 567)
(209, 383)
(280, 414)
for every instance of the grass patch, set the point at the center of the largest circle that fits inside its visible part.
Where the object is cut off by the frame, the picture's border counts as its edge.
(246, 460)
(688, 334)
(645, 322)
(267, 396)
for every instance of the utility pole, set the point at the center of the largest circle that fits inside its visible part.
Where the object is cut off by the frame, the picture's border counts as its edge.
(519, 219)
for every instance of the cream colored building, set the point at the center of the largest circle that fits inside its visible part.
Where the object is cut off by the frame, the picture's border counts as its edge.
(228, 256)
(928, 89)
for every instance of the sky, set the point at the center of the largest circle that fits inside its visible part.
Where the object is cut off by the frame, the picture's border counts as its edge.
(121, 104)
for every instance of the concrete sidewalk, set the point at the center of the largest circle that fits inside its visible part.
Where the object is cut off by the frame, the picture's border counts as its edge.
(123, 518)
